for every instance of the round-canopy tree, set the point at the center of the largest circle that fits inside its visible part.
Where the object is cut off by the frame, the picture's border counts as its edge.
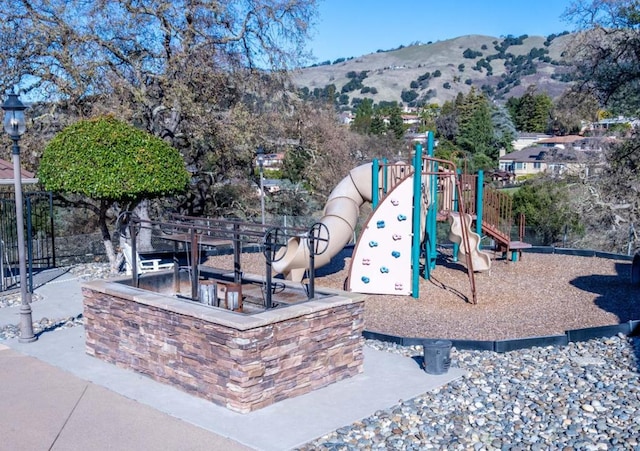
(107, 161)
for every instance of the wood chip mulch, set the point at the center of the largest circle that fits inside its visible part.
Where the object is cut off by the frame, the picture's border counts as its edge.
(542, 294)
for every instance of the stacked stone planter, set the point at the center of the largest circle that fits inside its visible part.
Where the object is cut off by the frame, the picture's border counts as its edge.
(243, 362)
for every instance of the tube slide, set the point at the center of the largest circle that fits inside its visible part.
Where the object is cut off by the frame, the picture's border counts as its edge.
(480, 260)
(340, 216)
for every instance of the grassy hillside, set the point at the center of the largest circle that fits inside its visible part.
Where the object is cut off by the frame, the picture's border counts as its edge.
(441, 69)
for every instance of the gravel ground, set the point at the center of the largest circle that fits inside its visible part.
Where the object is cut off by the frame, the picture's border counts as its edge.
(584, 396)
(542, 294)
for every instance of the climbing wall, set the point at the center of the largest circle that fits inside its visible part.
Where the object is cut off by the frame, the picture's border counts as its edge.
(381, 262)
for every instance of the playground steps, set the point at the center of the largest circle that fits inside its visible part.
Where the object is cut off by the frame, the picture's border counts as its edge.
(515, 247)
(494, 232)
(503, 242)
(518, 245)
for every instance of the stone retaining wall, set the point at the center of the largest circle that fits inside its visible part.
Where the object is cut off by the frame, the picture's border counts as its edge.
(242, 362)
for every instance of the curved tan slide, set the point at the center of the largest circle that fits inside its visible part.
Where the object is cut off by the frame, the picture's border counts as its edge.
(481, 261)
(340, 217)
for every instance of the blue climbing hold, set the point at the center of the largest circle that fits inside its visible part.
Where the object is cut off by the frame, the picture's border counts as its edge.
(395, 254)
(402, 218)
(384, 269)
(365, 279)
(373, 244)
(380, 224)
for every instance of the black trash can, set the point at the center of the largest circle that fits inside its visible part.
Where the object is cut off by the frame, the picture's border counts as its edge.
(437, 356)
(635, 270)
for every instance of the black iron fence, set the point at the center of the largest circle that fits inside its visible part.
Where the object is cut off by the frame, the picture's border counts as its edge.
(39, 236)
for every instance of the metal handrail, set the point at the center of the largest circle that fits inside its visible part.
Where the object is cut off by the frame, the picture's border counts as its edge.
(497, 217)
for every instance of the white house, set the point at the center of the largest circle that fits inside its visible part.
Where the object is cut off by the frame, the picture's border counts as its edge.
(554, 160)
(527, 140)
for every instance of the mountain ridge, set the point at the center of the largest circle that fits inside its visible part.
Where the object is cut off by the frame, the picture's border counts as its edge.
(437, 72)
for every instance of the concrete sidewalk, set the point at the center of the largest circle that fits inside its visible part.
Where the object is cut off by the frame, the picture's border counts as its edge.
(54, 396)
(46, 408)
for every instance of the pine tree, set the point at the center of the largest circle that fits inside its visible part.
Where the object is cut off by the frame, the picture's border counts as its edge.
(377, 126)
(396, 124)
(531, 113)
(364, 114)
(475, 134)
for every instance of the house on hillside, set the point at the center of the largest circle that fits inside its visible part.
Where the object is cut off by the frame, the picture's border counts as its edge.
(273, 160)
(410, 119)
(527, 140)
(604, 125)
(501, 178)
(564, 142)
(552, 160)
(346, 118)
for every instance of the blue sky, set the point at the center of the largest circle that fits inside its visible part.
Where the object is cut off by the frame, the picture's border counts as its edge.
(348, 28)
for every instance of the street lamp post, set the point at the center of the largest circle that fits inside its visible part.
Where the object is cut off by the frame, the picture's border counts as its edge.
(260, 153)
(15, 126)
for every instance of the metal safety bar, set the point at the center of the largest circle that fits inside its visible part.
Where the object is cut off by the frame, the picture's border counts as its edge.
(197, 231)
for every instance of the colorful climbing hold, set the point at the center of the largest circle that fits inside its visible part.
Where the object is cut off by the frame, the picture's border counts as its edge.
(365, 279)
(402, 218)
(373, 244)
(384, 269)
(395, 254)
(380, 224)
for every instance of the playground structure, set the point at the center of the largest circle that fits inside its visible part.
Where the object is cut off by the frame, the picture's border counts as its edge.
(387, 257)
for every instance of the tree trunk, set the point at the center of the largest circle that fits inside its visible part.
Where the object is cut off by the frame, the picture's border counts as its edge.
(143, 238)
(106, 236)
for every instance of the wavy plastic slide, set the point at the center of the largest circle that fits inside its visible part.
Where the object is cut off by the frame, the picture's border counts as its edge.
(480, 260)
(340, 216)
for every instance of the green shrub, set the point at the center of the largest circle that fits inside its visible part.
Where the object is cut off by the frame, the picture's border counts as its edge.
(104, 158)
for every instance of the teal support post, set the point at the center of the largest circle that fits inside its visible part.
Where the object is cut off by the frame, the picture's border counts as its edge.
(385, 169)
(375, 183)
(456, 207)
(432, 216)
(432, 219)
(479, 197)
(415, 245)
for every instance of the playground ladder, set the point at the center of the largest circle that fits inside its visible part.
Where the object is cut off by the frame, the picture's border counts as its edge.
(497, 222)
(496, 215)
